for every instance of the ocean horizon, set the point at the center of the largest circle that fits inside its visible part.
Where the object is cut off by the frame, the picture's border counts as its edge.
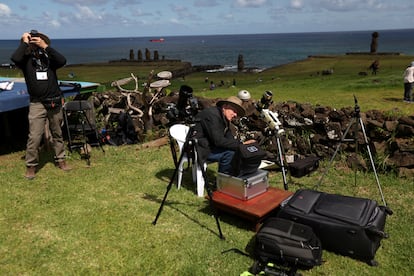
(258, 50)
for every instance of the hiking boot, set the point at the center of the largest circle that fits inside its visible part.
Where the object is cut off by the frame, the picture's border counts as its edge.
(30, 172)
(63, 166)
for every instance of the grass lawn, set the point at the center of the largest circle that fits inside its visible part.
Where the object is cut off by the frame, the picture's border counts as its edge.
(98, 219)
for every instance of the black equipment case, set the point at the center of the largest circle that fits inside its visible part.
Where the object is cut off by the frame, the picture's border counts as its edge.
(305, 166)
(247, 159)
(244, 188)
(286, 244)
(345, 225)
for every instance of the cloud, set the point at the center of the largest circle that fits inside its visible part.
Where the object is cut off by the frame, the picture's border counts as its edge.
(83, 2)
(340, 5)
(205, 3)
(250, 3)
(87, 14)
(296, 4)
(139, 12)
(128, 2)
(4, 10)
(55, 23)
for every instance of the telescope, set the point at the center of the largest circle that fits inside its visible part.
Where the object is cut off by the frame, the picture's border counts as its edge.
(272, 120)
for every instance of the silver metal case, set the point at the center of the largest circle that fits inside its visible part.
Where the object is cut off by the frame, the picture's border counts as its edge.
(243, 188)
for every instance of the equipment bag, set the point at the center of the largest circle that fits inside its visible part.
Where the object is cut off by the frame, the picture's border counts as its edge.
(305, 166)
(52, 103)
(247, 159)
(287, 244)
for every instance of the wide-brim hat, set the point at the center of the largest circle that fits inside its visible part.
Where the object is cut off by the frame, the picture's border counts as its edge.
(45, 38)
(234, 102)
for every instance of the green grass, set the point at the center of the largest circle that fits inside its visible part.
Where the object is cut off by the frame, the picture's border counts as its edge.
(98, 219)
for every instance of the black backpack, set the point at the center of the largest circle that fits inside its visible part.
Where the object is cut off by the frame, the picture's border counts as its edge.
(286, 244)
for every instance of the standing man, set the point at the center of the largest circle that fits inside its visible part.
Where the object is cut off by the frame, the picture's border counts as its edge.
(216, 142)
(39, 63)
(408, 83)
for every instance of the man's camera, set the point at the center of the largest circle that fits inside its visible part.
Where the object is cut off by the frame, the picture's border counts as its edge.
(34, 33)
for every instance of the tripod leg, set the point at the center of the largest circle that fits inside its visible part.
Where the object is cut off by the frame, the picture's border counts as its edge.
(168, 189)
(209, 192)
(282, 161)
(333, 156)
(372, 161)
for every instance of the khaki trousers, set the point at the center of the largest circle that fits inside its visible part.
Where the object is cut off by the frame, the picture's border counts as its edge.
(38, 117)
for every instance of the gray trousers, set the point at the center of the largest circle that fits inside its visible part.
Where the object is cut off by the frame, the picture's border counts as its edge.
(38, 117)
(408, 91)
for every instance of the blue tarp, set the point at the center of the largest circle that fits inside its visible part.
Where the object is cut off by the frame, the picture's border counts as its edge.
(19, 98)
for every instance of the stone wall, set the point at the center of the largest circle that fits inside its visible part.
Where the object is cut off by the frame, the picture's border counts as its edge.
(318, 130)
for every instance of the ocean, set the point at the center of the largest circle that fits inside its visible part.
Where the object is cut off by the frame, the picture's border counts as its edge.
(258, 50)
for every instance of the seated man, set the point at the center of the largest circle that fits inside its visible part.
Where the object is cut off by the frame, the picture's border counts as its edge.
(216, 143)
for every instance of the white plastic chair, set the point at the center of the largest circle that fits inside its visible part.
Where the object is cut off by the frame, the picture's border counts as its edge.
(179, 133)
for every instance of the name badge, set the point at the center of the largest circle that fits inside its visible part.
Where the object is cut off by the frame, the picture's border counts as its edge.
(41, 75)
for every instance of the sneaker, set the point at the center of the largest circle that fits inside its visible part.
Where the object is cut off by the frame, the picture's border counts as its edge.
(30, 172)
(63, 166)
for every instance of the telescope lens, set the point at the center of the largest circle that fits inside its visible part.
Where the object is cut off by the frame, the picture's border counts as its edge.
(268, 94)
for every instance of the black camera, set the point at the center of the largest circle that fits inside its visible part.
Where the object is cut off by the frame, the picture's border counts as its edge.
(187, 106)
(34, 33)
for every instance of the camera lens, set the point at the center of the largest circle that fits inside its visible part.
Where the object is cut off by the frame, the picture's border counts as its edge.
(268, 94)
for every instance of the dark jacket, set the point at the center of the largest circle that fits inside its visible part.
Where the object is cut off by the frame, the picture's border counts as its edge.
(212, 131)
(39, 90)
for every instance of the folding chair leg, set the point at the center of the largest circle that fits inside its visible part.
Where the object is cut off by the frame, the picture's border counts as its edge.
(200, 180)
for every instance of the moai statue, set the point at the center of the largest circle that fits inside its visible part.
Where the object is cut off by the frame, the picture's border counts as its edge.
(139, 55)
(147, 54)
(374, 42)
(131, 55)
(240, 63)
(156, 57)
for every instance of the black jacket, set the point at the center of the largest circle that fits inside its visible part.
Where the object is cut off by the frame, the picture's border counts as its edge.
(212, 131)
(39, 90)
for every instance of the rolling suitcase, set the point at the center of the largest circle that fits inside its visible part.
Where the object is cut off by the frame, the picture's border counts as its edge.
(345, 225)
(287, 245)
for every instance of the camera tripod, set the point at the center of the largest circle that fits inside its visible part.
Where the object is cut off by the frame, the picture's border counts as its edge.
(190, 148)
(355, 120)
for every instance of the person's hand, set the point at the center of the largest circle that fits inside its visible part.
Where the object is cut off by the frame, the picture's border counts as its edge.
(38, 41)
(249, 141)
(26, 38)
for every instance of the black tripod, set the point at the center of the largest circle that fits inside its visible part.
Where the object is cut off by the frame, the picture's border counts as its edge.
(355, 120)
(190, 148)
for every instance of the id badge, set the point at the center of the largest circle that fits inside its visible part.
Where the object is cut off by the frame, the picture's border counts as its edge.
(41, 75)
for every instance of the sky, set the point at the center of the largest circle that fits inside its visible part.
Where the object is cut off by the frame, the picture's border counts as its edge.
(159, 18)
